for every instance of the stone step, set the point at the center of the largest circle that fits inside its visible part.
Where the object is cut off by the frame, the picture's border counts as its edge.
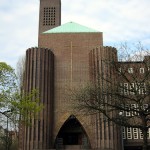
(72, 147)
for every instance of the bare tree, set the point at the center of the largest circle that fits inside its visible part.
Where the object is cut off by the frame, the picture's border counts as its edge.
(20, 69)
(119, 89)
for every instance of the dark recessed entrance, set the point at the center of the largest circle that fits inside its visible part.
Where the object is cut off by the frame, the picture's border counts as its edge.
(72, 133)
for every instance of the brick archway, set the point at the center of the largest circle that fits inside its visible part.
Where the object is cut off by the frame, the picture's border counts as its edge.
(72, 134)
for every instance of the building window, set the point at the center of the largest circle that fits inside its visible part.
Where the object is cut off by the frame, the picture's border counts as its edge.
(135, 133)
(129, 133)
(123, 132)
(119, 69)
(132, 90)
(148, 134)
(141, 134)
(121, 87)
(145, 106)
(137, 108)
(137, 87)
(130, 70)
(133, 107)
(128, 110)
(125, 88)
(142, 88)
(141, 70)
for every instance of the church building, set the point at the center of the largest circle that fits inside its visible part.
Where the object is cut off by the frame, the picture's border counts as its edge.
(60, 63)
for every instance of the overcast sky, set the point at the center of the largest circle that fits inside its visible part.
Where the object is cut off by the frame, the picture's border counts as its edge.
(119, 20)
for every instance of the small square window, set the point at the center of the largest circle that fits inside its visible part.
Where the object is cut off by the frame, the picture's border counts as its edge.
(130, 70)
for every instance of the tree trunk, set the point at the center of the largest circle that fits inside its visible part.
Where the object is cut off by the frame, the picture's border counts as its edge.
(145, 143)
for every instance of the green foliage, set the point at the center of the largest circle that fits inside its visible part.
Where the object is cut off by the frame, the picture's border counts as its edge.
(26, 105)
(15, 104)
(7, 84)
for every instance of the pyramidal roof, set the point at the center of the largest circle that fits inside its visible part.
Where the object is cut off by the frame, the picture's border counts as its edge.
(71, 27)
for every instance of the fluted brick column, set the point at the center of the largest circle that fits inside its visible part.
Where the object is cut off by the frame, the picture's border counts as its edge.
(39, 74)
(106, 133)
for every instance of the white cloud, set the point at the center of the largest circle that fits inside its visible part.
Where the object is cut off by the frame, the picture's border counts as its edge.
(119, 20)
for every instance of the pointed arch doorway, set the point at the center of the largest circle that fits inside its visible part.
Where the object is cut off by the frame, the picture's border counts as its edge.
(72, 135)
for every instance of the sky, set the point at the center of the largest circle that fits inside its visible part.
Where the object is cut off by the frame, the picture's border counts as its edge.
(119, 20)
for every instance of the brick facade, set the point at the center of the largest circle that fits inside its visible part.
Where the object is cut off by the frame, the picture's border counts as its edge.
(62, 62)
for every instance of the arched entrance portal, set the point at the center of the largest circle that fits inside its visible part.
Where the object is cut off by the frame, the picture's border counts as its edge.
(72, 135)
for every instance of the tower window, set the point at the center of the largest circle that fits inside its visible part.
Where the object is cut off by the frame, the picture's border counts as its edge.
(49, 14)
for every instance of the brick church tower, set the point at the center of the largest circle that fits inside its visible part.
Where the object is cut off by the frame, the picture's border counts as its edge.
(50, 14)
(61, 63)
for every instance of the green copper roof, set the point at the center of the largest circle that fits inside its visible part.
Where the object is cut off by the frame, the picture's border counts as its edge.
(71, 27)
